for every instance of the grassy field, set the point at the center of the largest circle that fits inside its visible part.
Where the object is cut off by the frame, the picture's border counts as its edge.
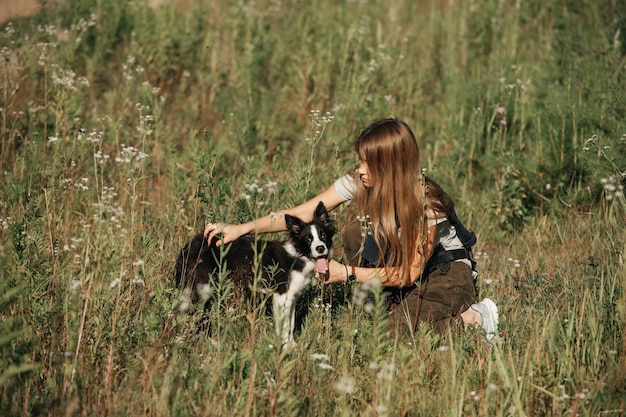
(124, 128)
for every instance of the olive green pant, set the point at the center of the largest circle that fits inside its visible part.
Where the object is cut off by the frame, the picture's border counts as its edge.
(437, 300)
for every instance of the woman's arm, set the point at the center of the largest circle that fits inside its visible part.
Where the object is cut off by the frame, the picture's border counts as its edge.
(389, 277)
(274, 222)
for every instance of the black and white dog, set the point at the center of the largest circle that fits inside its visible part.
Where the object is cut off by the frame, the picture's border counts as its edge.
(286, 267)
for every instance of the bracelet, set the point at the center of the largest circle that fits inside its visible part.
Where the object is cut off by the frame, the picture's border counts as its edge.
(347, 275)
(352, 277)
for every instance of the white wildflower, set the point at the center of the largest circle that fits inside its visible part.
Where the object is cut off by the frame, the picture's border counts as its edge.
(346, 384)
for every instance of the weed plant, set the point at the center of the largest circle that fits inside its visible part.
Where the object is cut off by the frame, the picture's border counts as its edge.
(124, 128)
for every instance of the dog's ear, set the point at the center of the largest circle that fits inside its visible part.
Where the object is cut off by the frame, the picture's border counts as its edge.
(321, 213)
(322, 216)
(294, 224)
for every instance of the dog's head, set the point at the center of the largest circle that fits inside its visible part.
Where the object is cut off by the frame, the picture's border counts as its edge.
(313, 240)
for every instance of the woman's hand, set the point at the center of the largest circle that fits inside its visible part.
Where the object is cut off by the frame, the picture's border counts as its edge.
(337, 272)
(229, 232)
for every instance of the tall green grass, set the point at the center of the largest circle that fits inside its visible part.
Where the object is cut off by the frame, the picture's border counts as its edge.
(124, 128)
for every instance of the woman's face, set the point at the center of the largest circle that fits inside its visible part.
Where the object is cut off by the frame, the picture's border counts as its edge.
(364, 173)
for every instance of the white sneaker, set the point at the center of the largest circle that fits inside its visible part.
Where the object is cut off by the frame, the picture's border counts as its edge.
(489, 312)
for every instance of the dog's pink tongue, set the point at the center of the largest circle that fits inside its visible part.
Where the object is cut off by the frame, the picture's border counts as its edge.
(321, 265)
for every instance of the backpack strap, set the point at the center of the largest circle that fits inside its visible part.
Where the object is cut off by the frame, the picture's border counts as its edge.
(467, 238)
(441, 259)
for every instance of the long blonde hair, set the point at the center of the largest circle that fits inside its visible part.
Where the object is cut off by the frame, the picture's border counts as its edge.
(395, 199)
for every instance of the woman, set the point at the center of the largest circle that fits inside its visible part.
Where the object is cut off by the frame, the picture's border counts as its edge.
(411, 222)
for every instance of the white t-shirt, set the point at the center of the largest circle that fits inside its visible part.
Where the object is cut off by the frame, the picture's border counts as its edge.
(346, 187)
(446, 233)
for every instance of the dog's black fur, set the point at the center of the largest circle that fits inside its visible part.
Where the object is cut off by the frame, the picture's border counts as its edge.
(286, 267)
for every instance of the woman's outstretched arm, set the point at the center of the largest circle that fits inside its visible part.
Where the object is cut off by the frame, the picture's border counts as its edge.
(275, 221)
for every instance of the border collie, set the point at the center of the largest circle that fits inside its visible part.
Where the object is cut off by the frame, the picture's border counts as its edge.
(287, 267)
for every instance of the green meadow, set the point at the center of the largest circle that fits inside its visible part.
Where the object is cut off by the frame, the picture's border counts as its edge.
(124, 128)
